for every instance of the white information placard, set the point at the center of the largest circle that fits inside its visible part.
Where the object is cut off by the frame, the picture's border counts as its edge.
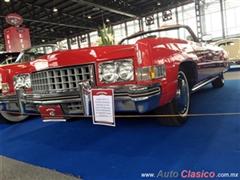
(103, 107)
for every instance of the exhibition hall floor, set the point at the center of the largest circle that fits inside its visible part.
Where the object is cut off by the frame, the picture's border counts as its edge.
(208, 144)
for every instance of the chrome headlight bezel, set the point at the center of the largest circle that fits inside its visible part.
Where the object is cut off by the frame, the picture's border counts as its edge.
(22, 81)
(116, 71)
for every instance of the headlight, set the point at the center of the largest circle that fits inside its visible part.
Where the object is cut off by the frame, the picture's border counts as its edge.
(109, 72)
(22, 80)
(116, 71)
(125, 71)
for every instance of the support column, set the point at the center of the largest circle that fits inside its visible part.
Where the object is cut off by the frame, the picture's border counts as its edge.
(198, 18)
(89, 40)
(69, 44)
(223, 22)
(126, 29)
(78, 41)
(140, 24)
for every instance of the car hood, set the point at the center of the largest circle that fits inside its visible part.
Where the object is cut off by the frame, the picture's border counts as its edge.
(83, 56)
(15, 67)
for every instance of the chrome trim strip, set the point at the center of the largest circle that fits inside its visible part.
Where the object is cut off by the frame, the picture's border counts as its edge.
(54, 101)
(145, 98)
(198, 86)
(49, 98)
(135, 94)
(145, 94)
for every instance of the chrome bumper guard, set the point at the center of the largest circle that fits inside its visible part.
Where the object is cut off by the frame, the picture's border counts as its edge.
(134, 93)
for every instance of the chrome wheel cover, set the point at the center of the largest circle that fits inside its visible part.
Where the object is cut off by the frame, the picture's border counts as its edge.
(182, 96)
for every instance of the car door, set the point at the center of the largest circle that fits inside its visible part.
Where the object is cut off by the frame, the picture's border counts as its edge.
(210, 60)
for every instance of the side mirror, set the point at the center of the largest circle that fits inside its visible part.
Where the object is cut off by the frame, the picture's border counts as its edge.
(207, 37)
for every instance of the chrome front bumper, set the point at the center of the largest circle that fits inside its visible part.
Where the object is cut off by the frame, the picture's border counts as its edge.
(127, 98)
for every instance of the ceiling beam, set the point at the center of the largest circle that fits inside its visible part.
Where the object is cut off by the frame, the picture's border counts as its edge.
(56, 24)
(59, 24)
(105, 8)
(50, 10)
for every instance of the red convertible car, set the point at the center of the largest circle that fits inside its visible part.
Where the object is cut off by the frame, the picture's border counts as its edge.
(153, 71)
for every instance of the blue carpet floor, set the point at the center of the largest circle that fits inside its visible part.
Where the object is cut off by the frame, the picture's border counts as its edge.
(208, 142)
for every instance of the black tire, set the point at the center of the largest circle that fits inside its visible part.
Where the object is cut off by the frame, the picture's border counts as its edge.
(219, 82)
(178, 108)
(8, 118)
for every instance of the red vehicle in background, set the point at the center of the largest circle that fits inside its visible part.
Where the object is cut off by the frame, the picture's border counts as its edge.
(11, 66)
(152, 71)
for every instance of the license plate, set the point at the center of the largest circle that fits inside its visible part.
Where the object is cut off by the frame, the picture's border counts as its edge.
(51, 113)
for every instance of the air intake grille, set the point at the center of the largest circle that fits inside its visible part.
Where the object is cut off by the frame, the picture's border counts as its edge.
(62, 79)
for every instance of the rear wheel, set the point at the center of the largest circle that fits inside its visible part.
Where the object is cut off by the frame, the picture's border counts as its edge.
(8, 118)
(219, 82)
(179, 107)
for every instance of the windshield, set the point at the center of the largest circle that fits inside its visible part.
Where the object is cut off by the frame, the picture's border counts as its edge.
(8, 57)
(180, 33)
(9, 60)
(35, 52)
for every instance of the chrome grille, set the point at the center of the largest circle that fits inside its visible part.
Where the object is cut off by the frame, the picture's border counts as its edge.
(73, 108)
(61, 79)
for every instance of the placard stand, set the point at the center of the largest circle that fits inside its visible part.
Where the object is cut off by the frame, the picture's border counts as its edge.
(103, 106)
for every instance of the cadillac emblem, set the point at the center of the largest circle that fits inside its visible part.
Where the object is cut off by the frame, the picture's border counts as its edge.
(52, 113)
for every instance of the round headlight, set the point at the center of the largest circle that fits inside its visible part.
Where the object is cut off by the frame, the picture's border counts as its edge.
(109, 73)
(125, 71)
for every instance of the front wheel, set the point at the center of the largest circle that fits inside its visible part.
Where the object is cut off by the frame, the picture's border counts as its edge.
(179, 107)
(8, 118)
